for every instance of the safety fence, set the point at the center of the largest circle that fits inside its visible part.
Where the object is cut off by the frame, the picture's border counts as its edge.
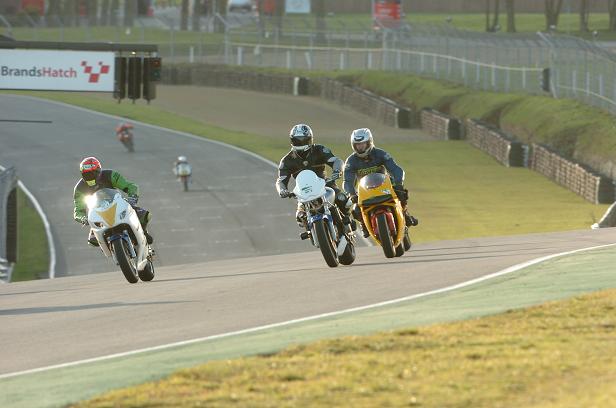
(8, 222)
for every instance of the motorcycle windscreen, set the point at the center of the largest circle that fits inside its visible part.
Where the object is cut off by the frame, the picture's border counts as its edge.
(103, 198)
(372, 180)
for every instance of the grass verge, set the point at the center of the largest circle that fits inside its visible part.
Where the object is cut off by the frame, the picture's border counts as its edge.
(560, 354)
(32, 251)
(456, 190)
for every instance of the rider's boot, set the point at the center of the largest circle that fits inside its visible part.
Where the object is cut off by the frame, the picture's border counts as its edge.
(92, 239)
(410, 221)
(145, 220)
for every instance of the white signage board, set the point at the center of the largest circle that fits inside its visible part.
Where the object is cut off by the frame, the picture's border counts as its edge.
(297, 6)
(57, 70)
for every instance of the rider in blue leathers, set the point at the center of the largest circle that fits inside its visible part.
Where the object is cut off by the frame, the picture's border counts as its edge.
(366, 159)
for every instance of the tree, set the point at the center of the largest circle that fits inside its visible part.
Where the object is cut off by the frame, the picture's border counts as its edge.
(196, 17)
(278, 12)
(319, 11)
(552, 12)
(492, 18)
(510, 7)
(130, 9)
(92, 7)
(184, 15)
(611, 5)
(53, 11)
(584, 13)
(104, 13)
(113, 13)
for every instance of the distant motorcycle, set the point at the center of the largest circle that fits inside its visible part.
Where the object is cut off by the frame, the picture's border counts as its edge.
(126, 138)
(383, 214)
(183, 171)
(326, 228)
(119, 233)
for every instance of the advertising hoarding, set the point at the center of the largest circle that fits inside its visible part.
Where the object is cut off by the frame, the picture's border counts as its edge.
(57, 70)
(387, 12)
(297, 6)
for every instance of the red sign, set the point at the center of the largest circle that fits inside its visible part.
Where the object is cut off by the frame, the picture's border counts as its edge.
(38, 5)
(386, 13)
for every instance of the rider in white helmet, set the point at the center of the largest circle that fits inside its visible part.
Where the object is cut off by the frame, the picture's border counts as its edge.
(181, 167)
(366, 159)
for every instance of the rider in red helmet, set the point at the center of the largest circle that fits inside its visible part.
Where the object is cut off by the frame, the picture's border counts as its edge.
(94, 178)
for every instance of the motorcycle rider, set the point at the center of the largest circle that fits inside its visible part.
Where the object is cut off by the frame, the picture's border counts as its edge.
(367, 159)
(304, 155)
(123, 129)
(94, 178)
(181, 166)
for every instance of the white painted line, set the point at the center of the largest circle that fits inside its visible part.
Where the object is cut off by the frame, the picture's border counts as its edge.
(505, 271)
(51, 245)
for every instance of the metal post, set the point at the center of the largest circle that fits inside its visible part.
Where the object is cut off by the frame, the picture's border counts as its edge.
(574, 82)
(240, 56)
(289, 65)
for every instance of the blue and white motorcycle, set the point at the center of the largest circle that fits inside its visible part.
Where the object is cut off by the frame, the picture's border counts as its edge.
(326, 227)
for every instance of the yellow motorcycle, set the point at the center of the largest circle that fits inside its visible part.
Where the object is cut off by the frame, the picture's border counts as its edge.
(382, 213)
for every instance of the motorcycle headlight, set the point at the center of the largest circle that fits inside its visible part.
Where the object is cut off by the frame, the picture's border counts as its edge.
(90, 201)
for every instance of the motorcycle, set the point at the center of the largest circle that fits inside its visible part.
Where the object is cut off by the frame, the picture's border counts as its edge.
(382, 214)
(183, 171)
(326, 228)
(126, 138)
(116, 226)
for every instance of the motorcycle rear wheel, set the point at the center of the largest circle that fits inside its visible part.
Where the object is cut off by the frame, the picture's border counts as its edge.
(407, 241)
(326, 244)
(385, 236)
(126, 265)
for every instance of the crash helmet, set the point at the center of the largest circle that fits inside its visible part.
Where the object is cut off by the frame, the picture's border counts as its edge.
(362, 142)
(90, 169)
(182, 159)
(301, 138)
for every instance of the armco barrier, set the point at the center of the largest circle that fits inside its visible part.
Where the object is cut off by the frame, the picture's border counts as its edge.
(215, 76)
(577, 178)
(440, 125)
(384, 110)
(496, 143)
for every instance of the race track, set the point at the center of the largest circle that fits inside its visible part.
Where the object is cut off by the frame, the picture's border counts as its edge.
(231, 211)
(49, 322)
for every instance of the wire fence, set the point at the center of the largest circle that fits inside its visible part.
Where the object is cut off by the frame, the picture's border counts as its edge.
(498, 62)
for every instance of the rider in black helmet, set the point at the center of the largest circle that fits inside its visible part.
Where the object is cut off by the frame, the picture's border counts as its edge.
(304, 155)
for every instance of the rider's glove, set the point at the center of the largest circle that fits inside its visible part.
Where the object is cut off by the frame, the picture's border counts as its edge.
(402, 193)
(284, 193)
(335, 176)
(354, 198)
(132, 200)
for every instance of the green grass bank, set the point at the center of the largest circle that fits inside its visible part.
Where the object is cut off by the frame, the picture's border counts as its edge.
(32, 249)
(560, 354)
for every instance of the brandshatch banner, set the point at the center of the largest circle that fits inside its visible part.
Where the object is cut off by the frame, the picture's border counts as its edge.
(57, 70)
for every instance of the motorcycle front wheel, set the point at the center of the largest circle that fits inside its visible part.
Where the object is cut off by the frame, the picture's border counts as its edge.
(385, 236)
(185, 182)
(147, 274)
(120, 249)
(348, 256)
(326, 243)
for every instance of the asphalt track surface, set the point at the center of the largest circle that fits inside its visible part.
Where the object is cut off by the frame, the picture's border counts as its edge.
(231, 210)
(50, 322)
